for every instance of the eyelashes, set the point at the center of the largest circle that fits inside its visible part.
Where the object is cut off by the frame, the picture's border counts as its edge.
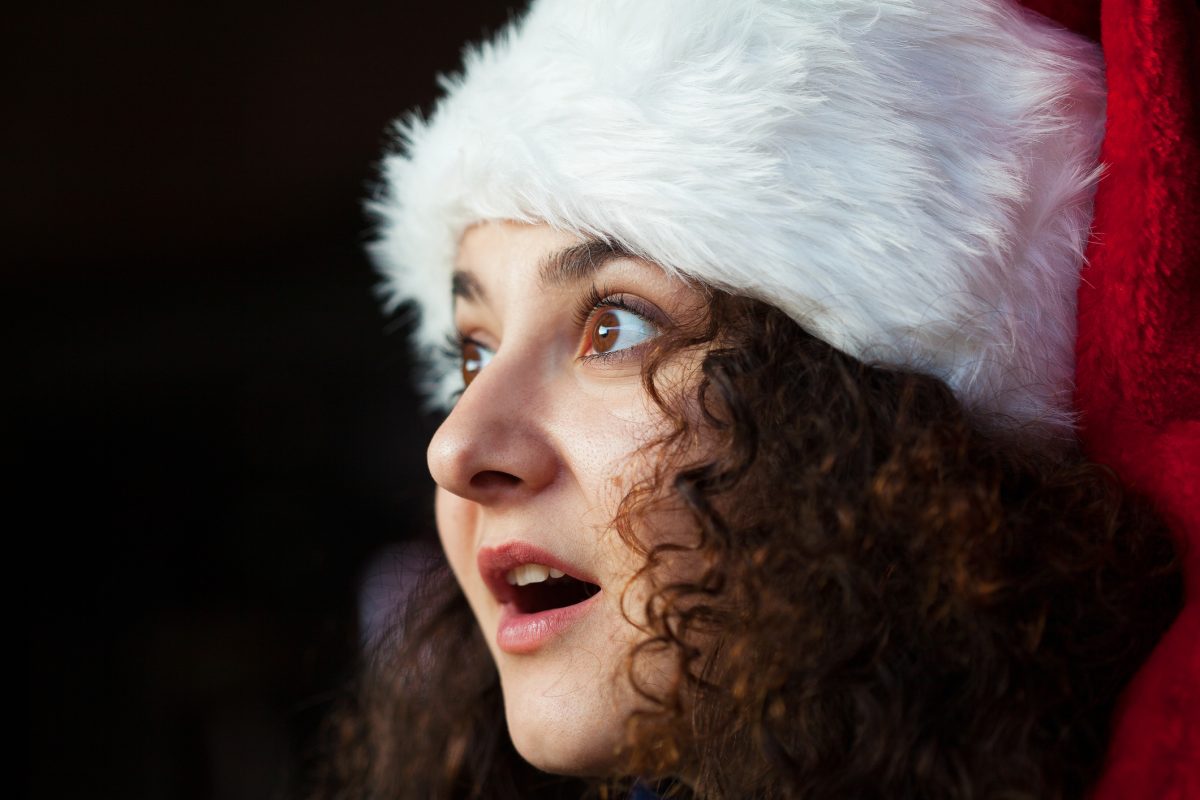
(611, 326)
(596, 298)
(615, 323)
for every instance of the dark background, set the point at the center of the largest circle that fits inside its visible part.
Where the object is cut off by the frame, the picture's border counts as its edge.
(210, 424)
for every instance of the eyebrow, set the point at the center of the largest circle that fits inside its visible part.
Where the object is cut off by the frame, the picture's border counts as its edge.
(464, 284)
(579, 261)
(560, 268)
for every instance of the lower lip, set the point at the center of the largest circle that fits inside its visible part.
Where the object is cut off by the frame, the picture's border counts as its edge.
(519, 633)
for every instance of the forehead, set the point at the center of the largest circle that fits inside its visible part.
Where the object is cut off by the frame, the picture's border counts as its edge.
(498, 262)
(504, 254)
(492, 249)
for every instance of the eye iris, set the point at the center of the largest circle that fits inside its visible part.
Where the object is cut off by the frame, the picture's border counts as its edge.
(604, 335)
(472, 362)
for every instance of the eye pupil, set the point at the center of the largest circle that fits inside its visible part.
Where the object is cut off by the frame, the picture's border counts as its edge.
(604, 335)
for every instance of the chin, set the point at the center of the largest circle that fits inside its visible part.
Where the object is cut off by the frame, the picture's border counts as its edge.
(563, 729)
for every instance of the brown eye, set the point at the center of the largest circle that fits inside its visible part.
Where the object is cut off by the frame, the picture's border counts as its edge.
(474, 358)
(605, 332)
(614, 329)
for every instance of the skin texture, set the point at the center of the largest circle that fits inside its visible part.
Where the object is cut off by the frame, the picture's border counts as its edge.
(540, 448)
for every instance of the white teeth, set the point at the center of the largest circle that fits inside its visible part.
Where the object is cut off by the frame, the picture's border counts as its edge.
(531, 573)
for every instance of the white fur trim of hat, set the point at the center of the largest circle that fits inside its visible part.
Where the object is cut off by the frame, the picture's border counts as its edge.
(910, 180)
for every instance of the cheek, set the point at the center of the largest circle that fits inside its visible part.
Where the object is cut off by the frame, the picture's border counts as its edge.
(602, 438)
(455, 525)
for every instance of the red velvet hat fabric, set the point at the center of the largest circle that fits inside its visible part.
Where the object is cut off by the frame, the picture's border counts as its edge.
(1138, 351)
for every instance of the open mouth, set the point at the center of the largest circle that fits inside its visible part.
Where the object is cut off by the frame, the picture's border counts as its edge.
(534, 588)
(540, 594)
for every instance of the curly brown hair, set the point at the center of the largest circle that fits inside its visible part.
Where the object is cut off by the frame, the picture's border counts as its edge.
(896, 601)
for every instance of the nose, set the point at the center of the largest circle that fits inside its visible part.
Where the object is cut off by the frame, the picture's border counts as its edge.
(494, 447)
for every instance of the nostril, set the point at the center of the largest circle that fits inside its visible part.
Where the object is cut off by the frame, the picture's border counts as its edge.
(493, 479)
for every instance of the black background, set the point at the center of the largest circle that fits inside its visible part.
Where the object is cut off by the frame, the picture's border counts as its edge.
(210, 428)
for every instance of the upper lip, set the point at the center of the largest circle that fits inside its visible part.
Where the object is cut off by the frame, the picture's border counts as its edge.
(496, 562)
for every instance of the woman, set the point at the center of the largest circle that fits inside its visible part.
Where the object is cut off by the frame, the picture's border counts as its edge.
(759, 476)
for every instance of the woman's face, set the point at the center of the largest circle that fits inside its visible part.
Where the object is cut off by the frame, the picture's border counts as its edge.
(531, 464)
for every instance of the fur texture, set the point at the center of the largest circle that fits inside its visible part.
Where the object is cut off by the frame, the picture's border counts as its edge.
(911, 180)
(1138, 374)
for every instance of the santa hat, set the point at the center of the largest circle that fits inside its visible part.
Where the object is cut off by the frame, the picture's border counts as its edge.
(910, 181)
(1138, 350)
